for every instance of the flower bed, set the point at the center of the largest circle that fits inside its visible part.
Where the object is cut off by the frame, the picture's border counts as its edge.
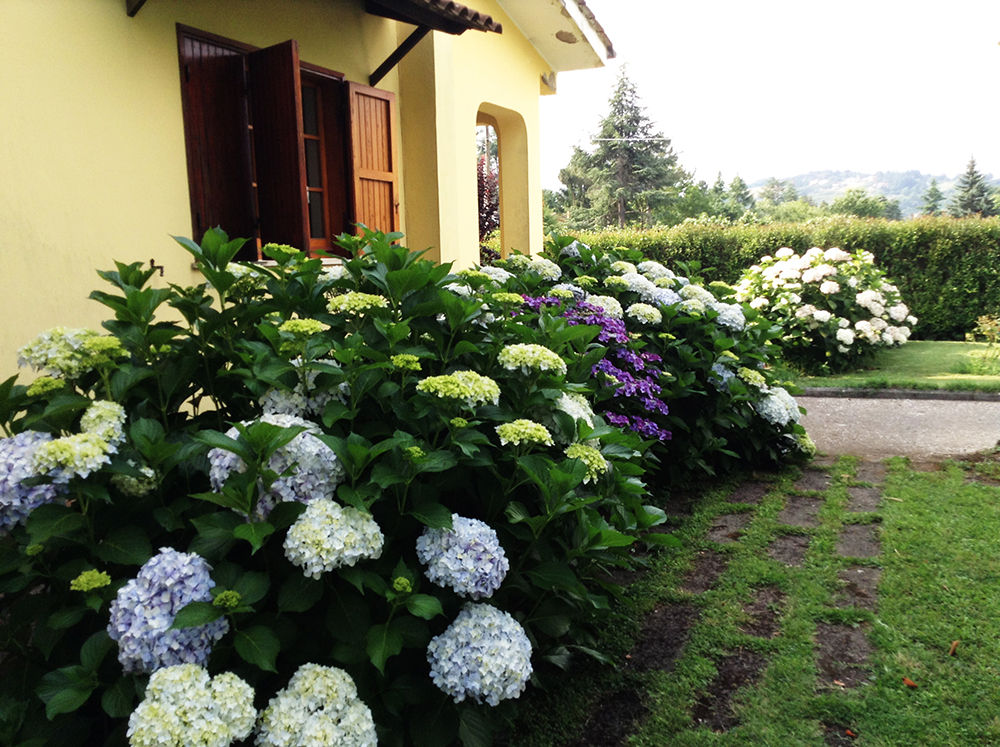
(335, 505)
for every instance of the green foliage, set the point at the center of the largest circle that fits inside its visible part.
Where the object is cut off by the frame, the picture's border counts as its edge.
(947, 270)
(859, 203)
(973, 195)
(933, 198)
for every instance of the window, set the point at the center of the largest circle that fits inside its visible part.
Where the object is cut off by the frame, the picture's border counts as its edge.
(282, 151)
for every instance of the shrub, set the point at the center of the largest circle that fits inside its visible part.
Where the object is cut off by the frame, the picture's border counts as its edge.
(274, 493)
(836, 309)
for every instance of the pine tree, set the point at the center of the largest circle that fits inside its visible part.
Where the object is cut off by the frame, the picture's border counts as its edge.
(632, 169)
(972, 194)
(933, 198)
(740, 194)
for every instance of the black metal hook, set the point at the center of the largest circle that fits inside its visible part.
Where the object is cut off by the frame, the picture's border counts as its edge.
(154, 266)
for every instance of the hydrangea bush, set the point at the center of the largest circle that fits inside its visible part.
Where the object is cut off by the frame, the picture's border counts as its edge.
(836, 309)
(299, 474)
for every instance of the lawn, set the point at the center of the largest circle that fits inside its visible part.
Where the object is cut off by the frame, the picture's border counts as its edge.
(851, 604)
(922, 364)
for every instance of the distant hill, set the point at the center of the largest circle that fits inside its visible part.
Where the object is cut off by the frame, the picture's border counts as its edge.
(906, 186)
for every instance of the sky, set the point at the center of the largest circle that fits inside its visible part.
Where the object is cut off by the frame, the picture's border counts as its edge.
(783, 87)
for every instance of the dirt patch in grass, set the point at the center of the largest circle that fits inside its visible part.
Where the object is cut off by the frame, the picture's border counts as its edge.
(789, 549)
(801, 511)
(812, 480)
(859, 541)
(871, 472)
(750, 492)
(835, 735)
(861, 498)
(860, 587)
(926, 466)
(842, 654)
(613, 721)
(764, 610)
(728, 527)
(681, 503)
(664, 633)
(714, 708)
(708, 566)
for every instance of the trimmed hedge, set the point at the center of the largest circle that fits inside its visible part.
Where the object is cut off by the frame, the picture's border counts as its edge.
(947, 269)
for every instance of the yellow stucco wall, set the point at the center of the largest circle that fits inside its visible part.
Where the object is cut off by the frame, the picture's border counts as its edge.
(92, 142)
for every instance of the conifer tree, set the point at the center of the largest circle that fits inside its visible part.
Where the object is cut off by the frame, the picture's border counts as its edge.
(933, 198)
(632, 168)
(740, 193)
(972, 194)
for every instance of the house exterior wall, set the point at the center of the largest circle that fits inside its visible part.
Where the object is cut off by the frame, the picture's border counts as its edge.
(92, 148)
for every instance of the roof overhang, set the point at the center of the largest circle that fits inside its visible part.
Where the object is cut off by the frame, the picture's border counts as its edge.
(437, 15)
(564, 32)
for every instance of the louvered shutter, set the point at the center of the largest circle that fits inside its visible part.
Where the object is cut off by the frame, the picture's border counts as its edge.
(276, 105)
(374, 159)
(216, 136)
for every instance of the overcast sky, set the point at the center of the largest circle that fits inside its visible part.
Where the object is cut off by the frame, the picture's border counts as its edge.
(782, 87)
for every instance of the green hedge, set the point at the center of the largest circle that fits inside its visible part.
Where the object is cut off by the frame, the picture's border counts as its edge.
(947, 269)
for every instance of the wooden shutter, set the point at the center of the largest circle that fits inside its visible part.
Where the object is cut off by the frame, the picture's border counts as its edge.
(279, 153)
(374, 159)
(213, 96)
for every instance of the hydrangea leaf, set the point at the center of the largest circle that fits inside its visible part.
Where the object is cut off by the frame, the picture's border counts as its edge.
(119, 699)
(94, 650)
(384, 642)
(252, 586)
(299, 594)
(424, 606)
(54, 520)
(66, 689)
(433, 515)
(258, 646)
(474, 728)
(194, 614)
(126, 546)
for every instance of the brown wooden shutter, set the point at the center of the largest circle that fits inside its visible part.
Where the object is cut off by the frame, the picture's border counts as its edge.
(213, 95)
(374, 159)
(276, 106)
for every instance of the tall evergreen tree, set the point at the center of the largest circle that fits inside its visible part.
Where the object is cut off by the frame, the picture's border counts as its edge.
(972, 194)
(740, 194)
(933, 198)
(633, 167)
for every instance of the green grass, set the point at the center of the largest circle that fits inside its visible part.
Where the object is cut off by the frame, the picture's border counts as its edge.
(922, 364)
(940, 573)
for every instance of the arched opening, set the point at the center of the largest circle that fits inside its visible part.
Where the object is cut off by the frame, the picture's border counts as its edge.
(488, 188)
(511, 138)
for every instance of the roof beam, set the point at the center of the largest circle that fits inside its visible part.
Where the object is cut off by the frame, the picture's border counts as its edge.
(392, 60)
(132, 6)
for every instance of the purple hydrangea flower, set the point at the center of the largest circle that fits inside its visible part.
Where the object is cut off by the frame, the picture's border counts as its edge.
(16, 499)
(468, 557)
(145, 607)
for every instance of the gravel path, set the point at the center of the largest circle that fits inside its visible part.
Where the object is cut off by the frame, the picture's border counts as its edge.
(879, 426)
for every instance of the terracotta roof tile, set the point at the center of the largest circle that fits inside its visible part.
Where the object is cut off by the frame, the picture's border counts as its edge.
(440, 15)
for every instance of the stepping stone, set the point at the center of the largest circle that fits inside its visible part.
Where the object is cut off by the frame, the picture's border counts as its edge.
(664, 633)
(842, 654)
(789, 549)
(750, 492)
(764, 610)
(714, 708)
(801, 511)
(872, 472)
(811, 480)
(613, 720)
(708, 566)
(825, 460)
(860, 587)
(863, 499)
(859, 541)
(728, 527)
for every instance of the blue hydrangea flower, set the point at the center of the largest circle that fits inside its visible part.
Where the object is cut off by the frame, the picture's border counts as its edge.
(16, 465)
(145, 607)
(468, 557)
(314, 471)
(483, 655)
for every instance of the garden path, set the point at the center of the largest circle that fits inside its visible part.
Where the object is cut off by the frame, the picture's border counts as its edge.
(880, 424)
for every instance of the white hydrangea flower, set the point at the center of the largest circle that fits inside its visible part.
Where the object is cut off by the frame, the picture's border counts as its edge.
(576, 406)
(654, 270)
(320, 706)
(460, 290)
(822, 316)
(607, 304)
(622, 267)
(828, 287)
(784, 253)
(644, 313)
(106, 420)
(845, 336)
(697, 293)
(469, 387)
(730, 316)
(525, 431)
(778, 407)
(817, 273)
(759, 302)
(483, 655)
(899, 312)
(332, 273)
(327, 535)
(836, 255)
(497, 274)
(183, 707)
(530, 357)
(468, 557)
(545, 267)
(62, 459)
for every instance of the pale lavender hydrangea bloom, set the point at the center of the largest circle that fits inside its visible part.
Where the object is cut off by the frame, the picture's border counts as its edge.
(778, 407)
(468, 557)
(483, 655)
(315, 471)
(16, 460)
(145, 607)
(328, 535)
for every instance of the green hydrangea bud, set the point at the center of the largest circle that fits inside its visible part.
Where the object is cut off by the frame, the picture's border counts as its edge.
(33, 550)
(227, 600)
(402, 585)
(90, 580)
